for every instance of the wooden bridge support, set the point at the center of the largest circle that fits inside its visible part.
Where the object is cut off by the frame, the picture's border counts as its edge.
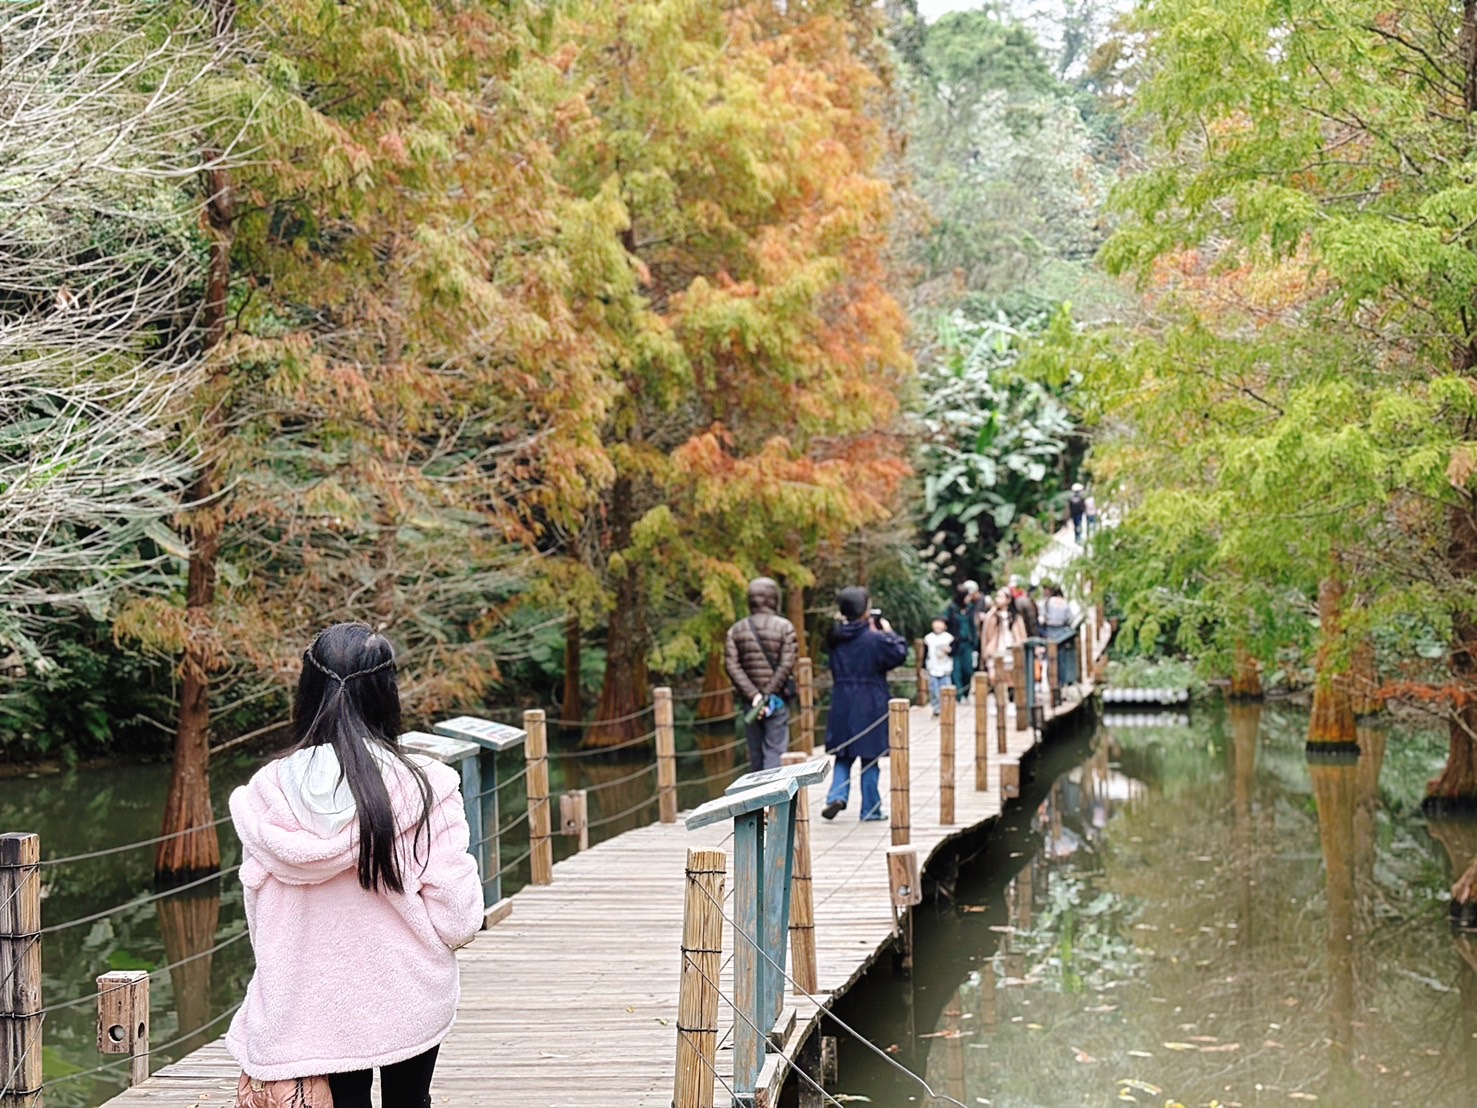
(20, 970)
(697, 1002)
(123, 1019)
(666, 754)
(805, 684)
(536, 756)
(899, 774)
(802, 897)
(947, 705)
(979, 691)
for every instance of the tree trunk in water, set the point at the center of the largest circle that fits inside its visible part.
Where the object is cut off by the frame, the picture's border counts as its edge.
(1364, 680)
(193, 848)
(1366, 816)
(187, 852)
(1246, 722)
(188, 925)
(625, 691)
(1456, 788)
(718, 697)
(1334, 787)
(1332, 726)
(572, 707)
(1246, 675)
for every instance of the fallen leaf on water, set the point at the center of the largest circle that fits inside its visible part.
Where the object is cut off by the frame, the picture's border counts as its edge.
(1003, 928)
(1035, 1027)
(1084, 1057)
(1124, 1094)
(849, 1098)
(1272, 1044)
(1141, 1086)
(1301, 1096)
(1096, 1008)
(974, 908)
(1179, 1046)
(893, 1049)
(1204, 1039)
(1138, 1054)
(1222, 1048)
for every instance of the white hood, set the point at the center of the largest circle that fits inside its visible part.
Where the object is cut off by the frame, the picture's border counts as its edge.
(315, 790)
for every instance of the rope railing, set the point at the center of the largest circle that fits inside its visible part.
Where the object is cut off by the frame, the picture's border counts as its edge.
(124, 1059)
(605, 820)
(133, 846)
(140, 902)
(700, 752)
(577, 724)
(596, 751)
(91, 998)
(613, 782)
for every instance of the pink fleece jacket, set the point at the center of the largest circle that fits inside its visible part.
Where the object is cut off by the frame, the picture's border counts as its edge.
(348, 979)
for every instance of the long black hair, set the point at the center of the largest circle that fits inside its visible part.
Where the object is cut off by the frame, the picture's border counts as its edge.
(348, 699)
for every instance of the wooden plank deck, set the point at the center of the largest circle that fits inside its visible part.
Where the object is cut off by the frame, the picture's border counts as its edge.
(572, 1000)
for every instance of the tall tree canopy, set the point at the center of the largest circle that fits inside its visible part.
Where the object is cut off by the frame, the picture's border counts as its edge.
(1310, 209)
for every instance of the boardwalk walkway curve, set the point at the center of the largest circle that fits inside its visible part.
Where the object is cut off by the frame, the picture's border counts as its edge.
(571, 1000)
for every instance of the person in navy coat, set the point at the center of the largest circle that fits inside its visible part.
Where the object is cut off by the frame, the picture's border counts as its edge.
(863, 650)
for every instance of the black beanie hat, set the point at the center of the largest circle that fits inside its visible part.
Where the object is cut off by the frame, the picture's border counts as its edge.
(852, 601)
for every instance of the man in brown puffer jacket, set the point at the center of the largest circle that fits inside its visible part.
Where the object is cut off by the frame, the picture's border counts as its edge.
(760, 655)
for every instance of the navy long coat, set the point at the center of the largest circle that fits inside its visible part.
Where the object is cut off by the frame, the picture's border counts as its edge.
(860, 658)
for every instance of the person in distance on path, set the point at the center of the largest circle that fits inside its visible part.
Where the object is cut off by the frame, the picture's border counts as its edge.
(940, 661)
(359, 887)
(863, 649)
(760, 656)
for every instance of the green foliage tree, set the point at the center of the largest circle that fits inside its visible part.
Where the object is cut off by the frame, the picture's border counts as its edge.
(994, 446)
(1312, 174)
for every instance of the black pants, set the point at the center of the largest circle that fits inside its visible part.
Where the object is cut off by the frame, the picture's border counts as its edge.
(406, 1084)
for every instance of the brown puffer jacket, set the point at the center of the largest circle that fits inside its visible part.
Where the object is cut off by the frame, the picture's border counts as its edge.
(748, 667)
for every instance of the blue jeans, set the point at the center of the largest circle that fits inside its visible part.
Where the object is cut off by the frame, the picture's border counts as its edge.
(841, 785)
(934, 685)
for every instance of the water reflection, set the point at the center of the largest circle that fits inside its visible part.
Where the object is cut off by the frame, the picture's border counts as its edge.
(1196, 914)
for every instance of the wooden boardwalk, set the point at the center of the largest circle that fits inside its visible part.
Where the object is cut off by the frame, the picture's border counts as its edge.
(572, 999)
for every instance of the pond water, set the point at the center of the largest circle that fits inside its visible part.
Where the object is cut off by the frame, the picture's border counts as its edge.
(201, 933)
(1192, 914)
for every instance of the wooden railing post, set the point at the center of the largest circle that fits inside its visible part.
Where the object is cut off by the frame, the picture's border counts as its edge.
(1022, 657)
(805, 682)
(123, 1019)
(898, 772)
(1002, 717)
(574, 817)
(697, 999)
(1084, 657)
(802, 896)
(947, 705)
(536, 755)
(922, 673)
(1053, 672)
(666, 754)
(20, 970)
(980, 692)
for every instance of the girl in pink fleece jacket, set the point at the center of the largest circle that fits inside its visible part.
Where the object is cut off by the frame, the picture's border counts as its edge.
(359, 887)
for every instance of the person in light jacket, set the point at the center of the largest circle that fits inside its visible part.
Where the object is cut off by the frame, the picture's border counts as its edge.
(863, 649)
(358, 889)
